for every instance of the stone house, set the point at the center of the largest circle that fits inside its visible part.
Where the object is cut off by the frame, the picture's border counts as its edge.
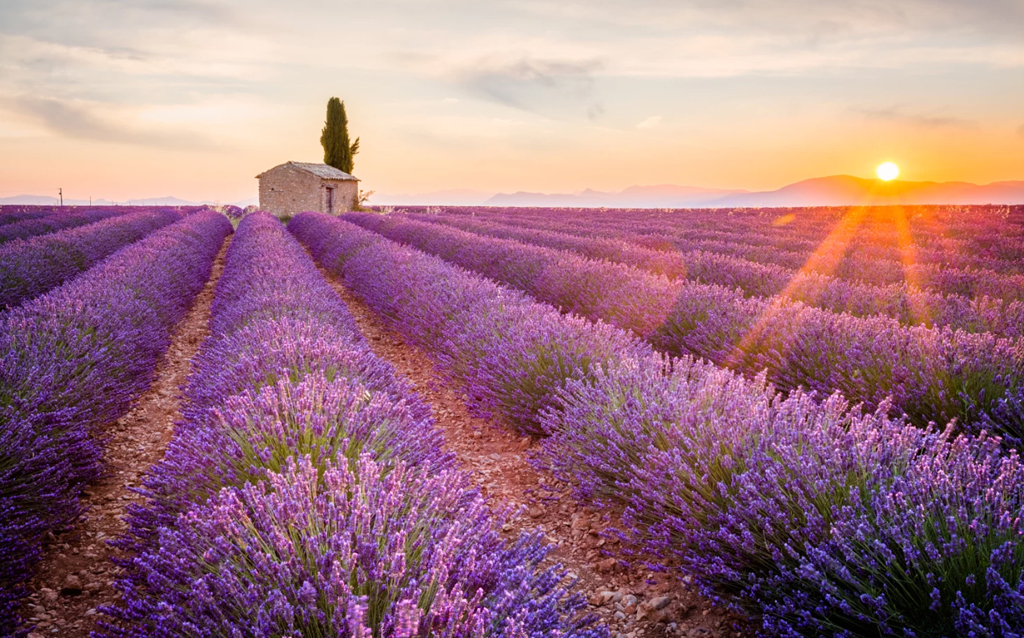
(294, 187)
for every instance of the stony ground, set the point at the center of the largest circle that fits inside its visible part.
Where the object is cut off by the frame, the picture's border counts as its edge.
(76, 574)
(635, 602)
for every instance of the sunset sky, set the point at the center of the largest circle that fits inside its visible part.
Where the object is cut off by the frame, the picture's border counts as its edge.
(127, 99)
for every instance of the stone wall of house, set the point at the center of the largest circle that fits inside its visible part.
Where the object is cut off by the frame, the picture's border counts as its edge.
(286, 190)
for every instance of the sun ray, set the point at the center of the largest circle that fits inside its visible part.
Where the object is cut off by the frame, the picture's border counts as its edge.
(827, 258)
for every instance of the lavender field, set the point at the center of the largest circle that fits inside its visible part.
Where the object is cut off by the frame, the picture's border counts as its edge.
(776, 422)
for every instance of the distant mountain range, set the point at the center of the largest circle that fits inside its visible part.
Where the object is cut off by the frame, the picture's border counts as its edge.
(838, 190)
(46, 200)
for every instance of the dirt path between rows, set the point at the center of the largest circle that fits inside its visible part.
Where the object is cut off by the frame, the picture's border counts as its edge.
(76, 574)
(633, 601)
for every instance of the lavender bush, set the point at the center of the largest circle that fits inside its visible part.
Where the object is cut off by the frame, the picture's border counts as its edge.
(511, 353)
(812, 517)
(70, 218)
(899, 301)
(931, 374)
(983, 259)
(818, 519)
(282, 344)
(961, 237)
(304, 455)
(11, 214)
(71, 361)
(334, 551)
(31, 267)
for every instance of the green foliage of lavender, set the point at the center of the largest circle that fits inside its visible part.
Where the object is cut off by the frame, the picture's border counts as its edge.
(11, 214)
(931, 374)
(908, 304)
(968, 251)
(31, 267)
(307, 493)
(58, 219)
(71, 361)
(812, 517)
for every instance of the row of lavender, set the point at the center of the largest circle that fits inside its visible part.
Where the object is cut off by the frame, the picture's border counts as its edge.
(930, 225)
(902, 302)
(306, 491)
(816, 519)
(839, 255)
(12, 214)
(846, 252)
(975, 237)
(57, 221)
(71, 361)
(973, 234)
(31, 267)
(931, 374)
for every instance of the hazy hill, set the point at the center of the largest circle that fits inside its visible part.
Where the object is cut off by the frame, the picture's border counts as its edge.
(838, 190)
(843, 190)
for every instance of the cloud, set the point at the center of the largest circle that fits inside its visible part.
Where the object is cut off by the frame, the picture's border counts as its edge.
(595, 111)
(527, 83)
(83, 121)
(653, 121)
(727, 38)
(103, 23)
(1020, 130)
(802, 20)
(900, 116)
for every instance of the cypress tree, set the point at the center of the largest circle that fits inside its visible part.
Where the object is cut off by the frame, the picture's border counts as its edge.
(338, 152)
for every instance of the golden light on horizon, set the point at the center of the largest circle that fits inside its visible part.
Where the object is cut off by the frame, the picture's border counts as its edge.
(887, 171)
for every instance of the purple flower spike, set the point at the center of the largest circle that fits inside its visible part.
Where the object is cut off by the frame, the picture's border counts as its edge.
(71, 362)
(307, 492)
(813, 517)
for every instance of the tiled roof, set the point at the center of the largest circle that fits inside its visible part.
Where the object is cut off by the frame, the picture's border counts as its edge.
(322, 171)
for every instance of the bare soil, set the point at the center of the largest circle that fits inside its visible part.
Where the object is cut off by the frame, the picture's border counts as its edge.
(634, 601)
(76, 574)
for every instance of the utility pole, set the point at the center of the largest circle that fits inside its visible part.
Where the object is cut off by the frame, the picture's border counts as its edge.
(60, 191)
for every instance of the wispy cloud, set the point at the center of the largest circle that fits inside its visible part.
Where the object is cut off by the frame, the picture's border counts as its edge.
(801, 19)
(87, 122)
(653, 121)
(523, 82)
(900, 116)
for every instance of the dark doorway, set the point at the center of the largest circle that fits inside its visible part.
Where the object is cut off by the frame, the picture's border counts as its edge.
(330, 200)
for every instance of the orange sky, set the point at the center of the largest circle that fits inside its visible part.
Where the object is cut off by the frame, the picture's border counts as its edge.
(192, 99)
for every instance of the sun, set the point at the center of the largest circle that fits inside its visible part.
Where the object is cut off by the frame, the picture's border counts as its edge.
(887, 171)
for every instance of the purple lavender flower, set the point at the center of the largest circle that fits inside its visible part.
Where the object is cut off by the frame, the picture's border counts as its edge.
(56, 221)
(31, 267)
(307, 492)
(71, 361)
(813, 517)
(347, 550)
(928, 373)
